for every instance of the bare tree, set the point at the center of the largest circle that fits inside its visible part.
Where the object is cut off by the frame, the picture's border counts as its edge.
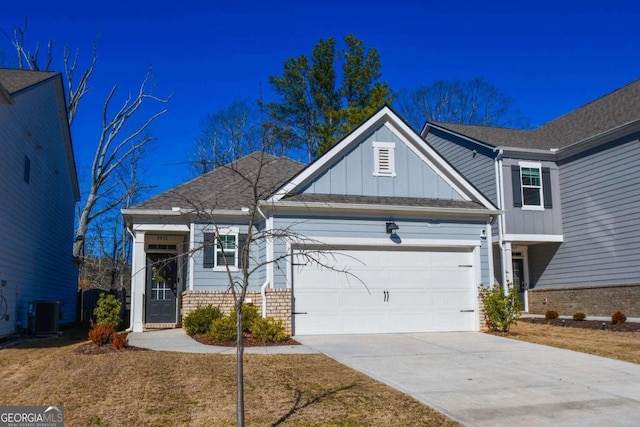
(254, 179)
(118, 139)
(473, 102)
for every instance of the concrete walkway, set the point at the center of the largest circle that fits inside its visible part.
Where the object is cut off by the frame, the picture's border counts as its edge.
(177, 340)
(484, 380)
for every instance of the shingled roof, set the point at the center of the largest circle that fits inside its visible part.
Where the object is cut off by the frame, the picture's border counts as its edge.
(16, 80)
(620, 107)
(226, 187)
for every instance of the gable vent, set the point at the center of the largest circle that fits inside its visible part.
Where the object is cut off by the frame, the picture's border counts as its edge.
(384, 159)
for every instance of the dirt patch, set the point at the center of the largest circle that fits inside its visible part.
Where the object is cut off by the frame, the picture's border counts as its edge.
(91, 349)
(247, 340)
(587, 324)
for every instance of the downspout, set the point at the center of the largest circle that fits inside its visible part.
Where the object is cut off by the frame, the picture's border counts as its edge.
(501, 223)
(263, 288)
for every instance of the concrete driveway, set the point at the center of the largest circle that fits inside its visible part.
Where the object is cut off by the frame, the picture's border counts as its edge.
(484, 380)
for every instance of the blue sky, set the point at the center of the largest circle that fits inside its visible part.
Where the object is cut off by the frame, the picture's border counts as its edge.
(551, 57)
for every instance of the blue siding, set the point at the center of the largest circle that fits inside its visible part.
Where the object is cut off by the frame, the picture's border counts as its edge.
(207, 279)
(374, 228)
(600, 205)
(352, 174)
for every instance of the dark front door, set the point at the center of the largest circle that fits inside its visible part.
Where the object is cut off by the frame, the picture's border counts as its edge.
(162, 287)
(518, 279)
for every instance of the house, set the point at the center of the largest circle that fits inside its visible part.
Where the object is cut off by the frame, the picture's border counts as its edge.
(570, 191)
(39, 190)
(379, 234)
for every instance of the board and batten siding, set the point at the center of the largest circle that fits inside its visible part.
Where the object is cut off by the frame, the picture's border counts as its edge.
(478, 168)
(353, 173)
(601, 206)
(360, 229)
(522, 221)
(37, 218)
(209, 279)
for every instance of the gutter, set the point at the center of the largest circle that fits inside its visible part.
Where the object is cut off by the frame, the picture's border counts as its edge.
(501, 225)
(263, 288)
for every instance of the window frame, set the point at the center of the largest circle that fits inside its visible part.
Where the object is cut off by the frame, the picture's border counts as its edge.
(215, 248)
(220, 249)
(389, 149)
(540, 187)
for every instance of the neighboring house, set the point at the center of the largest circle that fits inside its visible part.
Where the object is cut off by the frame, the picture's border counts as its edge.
(402, 238)
(39, 190)
(570, 190)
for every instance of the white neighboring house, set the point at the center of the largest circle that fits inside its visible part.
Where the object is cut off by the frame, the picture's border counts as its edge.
(38, 191)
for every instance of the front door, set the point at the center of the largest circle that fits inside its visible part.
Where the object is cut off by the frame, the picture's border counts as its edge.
(161, 289)
(518, 279)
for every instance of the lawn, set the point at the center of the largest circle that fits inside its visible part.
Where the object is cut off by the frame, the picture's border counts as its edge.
(615, 345)
(134, 388)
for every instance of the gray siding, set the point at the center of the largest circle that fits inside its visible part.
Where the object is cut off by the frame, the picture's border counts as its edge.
(478, 169)
(352, 174)
(37, 218)
(521, 221)
(601, 206)
(374, 228)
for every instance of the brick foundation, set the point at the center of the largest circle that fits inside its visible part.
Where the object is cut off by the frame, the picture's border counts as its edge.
(591, 300)
(278, 303)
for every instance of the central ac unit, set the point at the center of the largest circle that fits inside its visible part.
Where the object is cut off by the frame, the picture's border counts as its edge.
(44, 317)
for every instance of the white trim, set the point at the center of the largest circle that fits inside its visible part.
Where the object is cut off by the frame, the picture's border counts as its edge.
(390, 148)
(531, 165)
(361, 207)
(224, 231)
(476, 300)
(489, 239)
(270, 252)
(550, 238)
(384, 243)
(192, 261)
(160, 228)
(138, 281)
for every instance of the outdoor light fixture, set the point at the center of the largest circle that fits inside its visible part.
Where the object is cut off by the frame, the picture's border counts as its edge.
(392, 227)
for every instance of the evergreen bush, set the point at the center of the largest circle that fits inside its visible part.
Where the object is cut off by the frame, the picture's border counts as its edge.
(268, 329)
(502, 310)
(108, 310)
(199, 320)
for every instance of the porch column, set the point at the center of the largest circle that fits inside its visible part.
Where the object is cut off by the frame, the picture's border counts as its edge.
(138, 281)
(508, 266)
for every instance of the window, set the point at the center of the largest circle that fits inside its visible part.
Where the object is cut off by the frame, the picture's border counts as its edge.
(384, 159)
(218, 253)
(226, 251)
(531, 186)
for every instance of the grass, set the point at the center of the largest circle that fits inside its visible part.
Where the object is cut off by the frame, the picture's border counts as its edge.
(162, 388)
(615, 345)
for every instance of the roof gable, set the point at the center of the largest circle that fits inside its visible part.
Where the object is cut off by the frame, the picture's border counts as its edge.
(348, 169)
(14, 81)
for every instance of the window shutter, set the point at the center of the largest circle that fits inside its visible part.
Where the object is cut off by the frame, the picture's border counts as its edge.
(516, 184)
(546, 187)
(242, 241)
(209, 244)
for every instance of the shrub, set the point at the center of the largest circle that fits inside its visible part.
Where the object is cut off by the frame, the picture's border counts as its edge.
(502, 310)
(618, 317)
(249, 314)
(579, 316)
(551, 314)
(108, 310)
(101, 333)
(268, 329)
(120, 340)
(199, 320)
(223, 329)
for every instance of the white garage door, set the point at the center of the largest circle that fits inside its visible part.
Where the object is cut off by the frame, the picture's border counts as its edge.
(385, 291)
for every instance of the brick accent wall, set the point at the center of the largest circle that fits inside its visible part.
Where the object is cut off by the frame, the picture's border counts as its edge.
(278, 303)
(592, 300)
(482, 314)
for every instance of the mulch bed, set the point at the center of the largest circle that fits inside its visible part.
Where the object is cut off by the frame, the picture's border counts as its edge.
(247, 340)
(587, 324)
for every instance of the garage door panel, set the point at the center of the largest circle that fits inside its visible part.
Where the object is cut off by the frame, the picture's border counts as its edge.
(386, 291)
